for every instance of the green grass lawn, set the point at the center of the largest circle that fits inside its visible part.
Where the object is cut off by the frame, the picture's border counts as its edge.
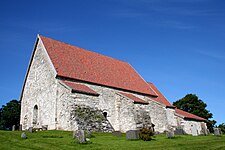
(59, 140)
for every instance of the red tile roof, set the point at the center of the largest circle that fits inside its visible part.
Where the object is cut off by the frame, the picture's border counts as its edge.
(80, 88)
(80, 64)
(188, 115)
(134, 98)
(161, 99)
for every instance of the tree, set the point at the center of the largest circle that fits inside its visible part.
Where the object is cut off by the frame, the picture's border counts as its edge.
(222, 127)
(192, 104)
(1, 126)
(10, 115)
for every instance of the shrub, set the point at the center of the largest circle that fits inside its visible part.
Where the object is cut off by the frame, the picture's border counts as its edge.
(146, 134)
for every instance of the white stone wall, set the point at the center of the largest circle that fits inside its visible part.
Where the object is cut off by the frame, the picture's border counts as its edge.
(40, 90)
(126, 119)
(158, 116)
(188, 125)
(121, 111)
(63, 104)
(170, 115)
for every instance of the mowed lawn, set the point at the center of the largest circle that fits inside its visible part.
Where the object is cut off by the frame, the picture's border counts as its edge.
(59, 140)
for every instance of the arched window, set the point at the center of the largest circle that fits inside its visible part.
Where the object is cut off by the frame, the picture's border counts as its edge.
(105, 114)
(35, 114)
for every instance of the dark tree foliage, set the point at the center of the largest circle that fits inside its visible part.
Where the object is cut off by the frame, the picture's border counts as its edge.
(10, 115)
(211, 125)
(192, 104)
(222, 127)
(146, 134)
(1, 127)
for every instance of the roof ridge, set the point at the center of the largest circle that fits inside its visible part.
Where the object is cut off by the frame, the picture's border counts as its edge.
(153, 89)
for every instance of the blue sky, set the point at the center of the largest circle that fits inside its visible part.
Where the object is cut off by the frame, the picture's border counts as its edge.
(176, 44)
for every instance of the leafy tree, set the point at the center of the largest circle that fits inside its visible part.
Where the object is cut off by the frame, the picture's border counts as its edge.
(222, 127)
(192, 104)
(210, 124)
(10, 115)
(1, 126)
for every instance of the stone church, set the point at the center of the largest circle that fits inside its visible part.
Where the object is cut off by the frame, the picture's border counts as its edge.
(70, 88)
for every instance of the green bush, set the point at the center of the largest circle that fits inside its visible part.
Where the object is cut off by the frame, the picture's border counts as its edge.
(146, 134)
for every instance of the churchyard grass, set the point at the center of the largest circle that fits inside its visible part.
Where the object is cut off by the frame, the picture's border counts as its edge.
(62, 140)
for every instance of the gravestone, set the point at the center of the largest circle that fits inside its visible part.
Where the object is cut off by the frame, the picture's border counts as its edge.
(132, 135)
(194, 131)
(217, 131)
(79, 136)
(13, 128)
(117, 133)
(170, 134)
(23, 135)
(74, 134)
(44, 127)
(179, 131)
(20, 127)
(30, 129)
